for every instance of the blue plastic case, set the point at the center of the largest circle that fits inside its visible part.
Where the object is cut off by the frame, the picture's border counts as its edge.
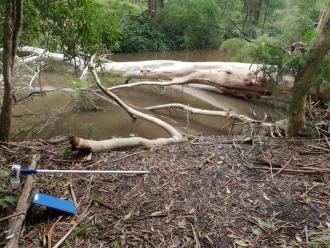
(53, 202)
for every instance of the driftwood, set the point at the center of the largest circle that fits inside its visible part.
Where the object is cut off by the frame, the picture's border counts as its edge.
(24, 201)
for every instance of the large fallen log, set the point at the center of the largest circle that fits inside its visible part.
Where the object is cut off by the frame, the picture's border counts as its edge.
(241, 79)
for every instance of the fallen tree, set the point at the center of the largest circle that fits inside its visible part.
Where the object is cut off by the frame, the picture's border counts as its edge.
(234, 78)
(93, 146)
(240, 79)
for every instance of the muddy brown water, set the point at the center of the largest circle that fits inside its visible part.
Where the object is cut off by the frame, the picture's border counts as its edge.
(64, 112)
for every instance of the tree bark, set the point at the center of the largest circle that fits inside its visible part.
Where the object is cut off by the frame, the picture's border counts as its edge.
(306, 75)
(12, 25)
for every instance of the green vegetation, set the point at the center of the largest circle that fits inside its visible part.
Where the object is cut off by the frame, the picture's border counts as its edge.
(90, 26)
(75, 27)
(320, 239)
(7, 199)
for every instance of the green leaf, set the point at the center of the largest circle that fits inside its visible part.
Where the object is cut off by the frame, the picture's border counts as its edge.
(2, 173)
(265, 224)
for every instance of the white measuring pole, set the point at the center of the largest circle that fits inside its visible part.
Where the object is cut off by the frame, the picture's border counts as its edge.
(92, 171)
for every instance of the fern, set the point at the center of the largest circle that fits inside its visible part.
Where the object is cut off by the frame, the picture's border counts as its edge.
(7, 201)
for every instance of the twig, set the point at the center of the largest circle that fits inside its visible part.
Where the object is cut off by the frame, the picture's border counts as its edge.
(73, 194)
(309, 171)
(270, 165)
(127, 156)
(319, 148)
(81, 218)
(326, 139)
(283, 167)
(33, 93)
(50, 232)
(10, 216)
(241, 155)
(197, 244)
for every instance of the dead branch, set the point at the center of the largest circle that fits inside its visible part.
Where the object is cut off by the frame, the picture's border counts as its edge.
(229, 114)
(108, 145)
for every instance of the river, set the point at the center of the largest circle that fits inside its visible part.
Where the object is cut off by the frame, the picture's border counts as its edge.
(68, 112)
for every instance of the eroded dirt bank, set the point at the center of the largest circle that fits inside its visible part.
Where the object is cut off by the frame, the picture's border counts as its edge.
(206, 192)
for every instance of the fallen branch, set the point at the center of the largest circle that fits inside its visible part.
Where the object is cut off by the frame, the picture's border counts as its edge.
(24, 201)
(111, 144)
(81, 218)
(229, 114)
(310, 170)
(319, 148)
(11, 216)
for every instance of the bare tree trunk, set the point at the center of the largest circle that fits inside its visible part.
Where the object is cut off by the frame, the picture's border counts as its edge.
(152, 7)
(12, 24)
(306, 75)
(252, 9)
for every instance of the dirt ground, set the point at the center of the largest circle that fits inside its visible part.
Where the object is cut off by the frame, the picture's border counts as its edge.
(206, 192)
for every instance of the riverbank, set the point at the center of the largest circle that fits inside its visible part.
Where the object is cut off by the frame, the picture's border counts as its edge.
(210, 191)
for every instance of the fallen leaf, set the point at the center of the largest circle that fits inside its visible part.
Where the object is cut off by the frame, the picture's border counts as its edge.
(241, 243)
(232, 236)
(298, 238)
(266, 197)
(128, 216)
(156, 213)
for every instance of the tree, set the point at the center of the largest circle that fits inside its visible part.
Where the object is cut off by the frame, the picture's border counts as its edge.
(76, 27)
(252, 10)
(12, 26)
(153, 5)
(307, 74)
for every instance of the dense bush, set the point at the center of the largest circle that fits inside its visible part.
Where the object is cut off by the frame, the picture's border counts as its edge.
(195, 22)
(142, 35)
(89, 26)
(239, 49)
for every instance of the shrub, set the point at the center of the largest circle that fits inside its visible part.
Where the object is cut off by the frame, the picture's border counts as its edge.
(195, 21)
(142, 35)
(239, 49)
